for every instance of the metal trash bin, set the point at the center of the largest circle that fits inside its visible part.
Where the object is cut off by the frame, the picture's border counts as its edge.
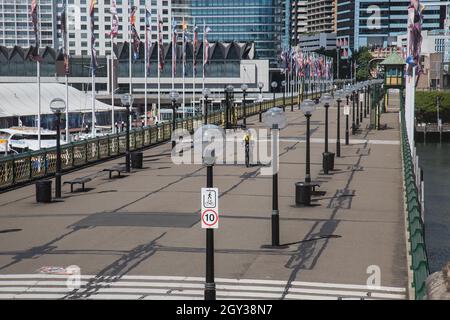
(303, 192)
(44, 191)
(328, 162)
(137, 160)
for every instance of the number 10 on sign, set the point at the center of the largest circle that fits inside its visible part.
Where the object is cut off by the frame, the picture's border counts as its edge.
(210, 208)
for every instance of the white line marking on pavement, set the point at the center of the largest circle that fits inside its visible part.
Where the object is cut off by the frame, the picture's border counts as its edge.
(44, 286)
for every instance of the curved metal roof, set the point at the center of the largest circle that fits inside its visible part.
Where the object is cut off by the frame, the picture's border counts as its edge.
(17, 99)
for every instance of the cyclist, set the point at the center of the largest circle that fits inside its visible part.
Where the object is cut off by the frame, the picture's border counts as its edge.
(247, 139)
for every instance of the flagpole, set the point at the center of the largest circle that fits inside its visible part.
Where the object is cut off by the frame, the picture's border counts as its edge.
(145, 66)
(93, 132)
(113, 127)
(184, 68)
(194, 51)
(159, 66)
(203, 68)
(67, 75)
(129, 50)
(38, 64)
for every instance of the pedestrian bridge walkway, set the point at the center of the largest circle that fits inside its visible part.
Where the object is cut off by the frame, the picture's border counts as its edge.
(139, 236)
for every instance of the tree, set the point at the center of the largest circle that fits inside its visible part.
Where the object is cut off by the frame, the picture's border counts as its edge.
(362, 58)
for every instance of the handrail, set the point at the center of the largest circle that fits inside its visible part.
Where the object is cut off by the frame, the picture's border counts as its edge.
(29, 166)
(415, 225)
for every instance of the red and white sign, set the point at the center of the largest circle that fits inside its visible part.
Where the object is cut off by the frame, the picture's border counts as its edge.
(210, 208)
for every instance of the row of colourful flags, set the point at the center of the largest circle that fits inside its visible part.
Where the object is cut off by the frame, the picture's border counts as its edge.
(135, 38)
(307, 64)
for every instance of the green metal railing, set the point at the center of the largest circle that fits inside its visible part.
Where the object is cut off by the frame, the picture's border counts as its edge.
(30, 166)
(417, 248)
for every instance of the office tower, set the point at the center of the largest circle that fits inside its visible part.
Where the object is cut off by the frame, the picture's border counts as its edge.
(377, 23)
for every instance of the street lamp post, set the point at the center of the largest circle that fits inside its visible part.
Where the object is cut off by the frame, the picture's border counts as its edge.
(365, 99)
(308, 106)
(327, 157)
(174, 96)
(348, 92)
(127, 101)
(353, 111)
(283, 85)
(206, 94)
(209, 155)
(260, 86)
(276, 120)
(339, 94)
(228, 106)
(274, 86)
(244, 89)
(58, 106)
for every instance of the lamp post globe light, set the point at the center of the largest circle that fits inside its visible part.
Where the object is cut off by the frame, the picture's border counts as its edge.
(283, 85)
(204, 136)
(58, 106)
(275, 119)
(244, 88)
(338, 95)
(174, 96)
(274, 86)
(127, 101)
(206, 93)
(260, 86)
(327, 157)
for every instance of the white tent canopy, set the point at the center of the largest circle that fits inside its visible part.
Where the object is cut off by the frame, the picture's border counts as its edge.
(20, 99)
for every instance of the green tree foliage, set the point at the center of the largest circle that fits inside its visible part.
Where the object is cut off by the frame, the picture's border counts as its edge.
(362, 58)
(426, 110)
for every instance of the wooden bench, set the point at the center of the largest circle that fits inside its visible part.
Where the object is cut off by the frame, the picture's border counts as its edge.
(117, 168)
(82, 181)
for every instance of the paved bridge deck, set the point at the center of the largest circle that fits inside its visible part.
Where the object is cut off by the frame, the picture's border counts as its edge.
(139, 237)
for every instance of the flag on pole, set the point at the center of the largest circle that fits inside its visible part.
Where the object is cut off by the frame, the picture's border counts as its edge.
(206, 30)
(134, 33)
(34, 20)
(63, 31)
(174, 47)
(94, 64)
(148, 30)
(185, 40)
(160, 44)
(115, 20)
(194, 49)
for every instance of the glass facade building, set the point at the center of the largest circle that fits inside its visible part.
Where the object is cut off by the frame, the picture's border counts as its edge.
(258, 21)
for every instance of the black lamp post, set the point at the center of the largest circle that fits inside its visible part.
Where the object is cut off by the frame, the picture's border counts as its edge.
(353, 111)
(339, 94)
(127, 101)
(365, 99)
(283, 85)
(209, 156)
(206, 94)
(308, 107)
(327, 157)
(274, 86)
(58, 106)
(244, 89)
(174, 96)
(260, 86)
(228, 105)
(276, 120)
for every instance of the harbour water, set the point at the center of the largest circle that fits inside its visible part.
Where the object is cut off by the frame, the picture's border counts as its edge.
(435, 162)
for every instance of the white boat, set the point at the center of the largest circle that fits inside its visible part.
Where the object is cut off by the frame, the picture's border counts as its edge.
(22, 139)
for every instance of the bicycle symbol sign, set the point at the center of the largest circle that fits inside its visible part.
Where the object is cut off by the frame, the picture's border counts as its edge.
(210, 208)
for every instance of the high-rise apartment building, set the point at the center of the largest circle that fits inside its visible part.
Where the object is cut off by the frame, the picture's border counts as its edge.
(320, 16)
(299, 19)
(15, 25)
(376, 23)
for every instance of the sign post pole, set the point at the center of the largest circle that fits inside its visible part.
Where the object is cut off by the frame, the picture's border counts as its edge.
(210, 221)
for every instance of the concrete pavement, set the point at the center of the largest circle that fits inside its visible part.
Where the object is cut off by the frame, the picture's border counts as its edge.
(146, 224)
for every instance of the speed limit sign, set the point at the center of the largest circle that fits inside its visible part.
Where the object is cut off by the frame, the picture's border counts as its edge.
(210, 208)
